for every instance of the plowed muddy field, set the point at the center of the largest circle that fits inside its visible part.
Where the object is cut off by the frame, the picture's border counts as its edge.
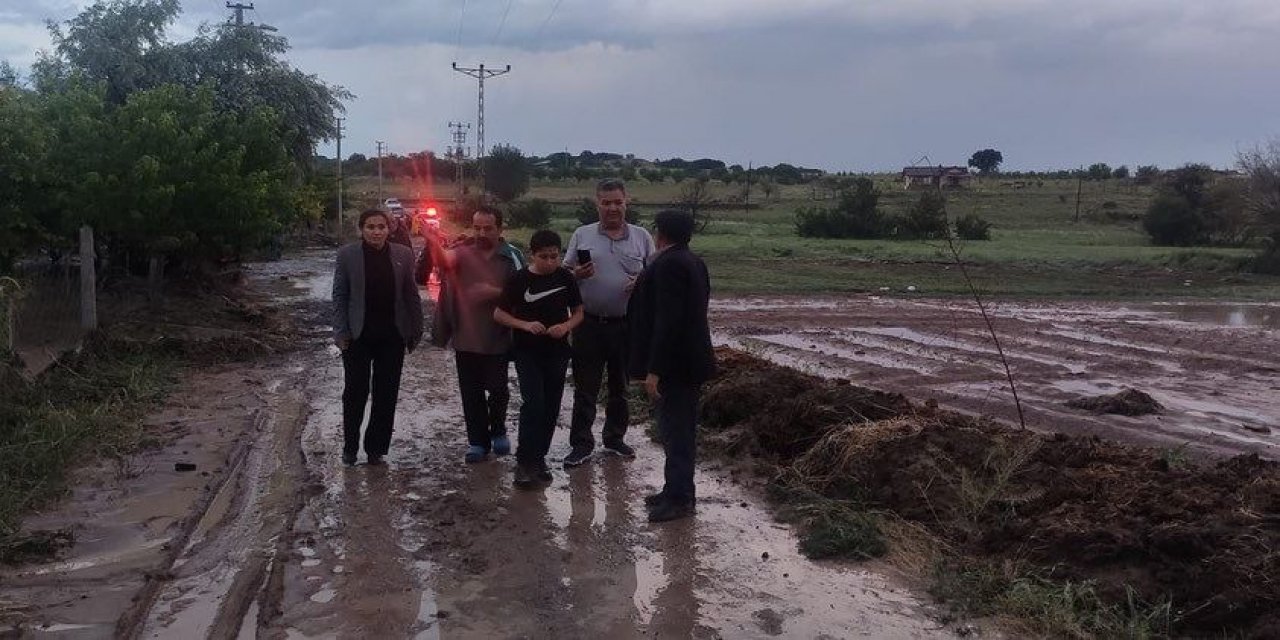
(1213, 368)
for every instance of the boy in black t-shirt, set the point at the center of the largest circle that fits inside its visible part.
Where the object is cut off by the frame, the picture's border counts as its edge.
(542, 305)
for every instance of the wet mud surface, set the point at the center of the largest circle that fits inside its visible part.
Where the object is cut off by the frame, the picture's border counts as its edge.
(1135, 522)
(272, 537)
(1213, 367)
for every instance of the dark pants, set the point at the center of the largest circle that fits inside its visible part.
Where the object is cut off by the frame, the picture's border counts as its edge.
(677, 419)
(541, 389)
(381, 360)
(599, 347)
(482, 379)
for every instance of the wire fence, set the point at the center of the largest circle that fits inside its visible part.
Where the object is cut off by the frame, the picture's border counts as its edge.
(42, 309)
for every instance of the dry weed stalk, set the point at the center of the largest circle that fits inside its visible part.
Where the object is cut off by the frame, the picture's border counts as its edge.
(986, 317)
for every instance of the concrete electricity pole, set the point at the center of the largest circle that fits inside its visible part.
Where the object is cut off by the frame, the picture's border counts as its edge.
(340, 172)
(381, 145)
(239, 9)
(480, 74)
(459, 154)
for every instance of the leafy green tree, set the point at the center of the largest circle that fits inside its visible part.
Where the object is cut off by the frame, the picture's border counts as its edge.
(506, 173)
(1098, 171)
(534, 214)
(1173, 221)
(1146, 174)
(857, 215)
(1121, 172)
(24, 139)
(120, 43)
(926, 219)
(986, 161)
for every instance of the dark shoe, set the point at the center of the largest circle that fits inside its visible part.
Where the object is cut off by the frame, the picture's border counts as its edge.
(475, 454)
(349, 459)
(653, 499)
(376, 460)
(577, 457)
(501, 446)
(544, 474)
(666, 511)
(524, 477)
(620, 449)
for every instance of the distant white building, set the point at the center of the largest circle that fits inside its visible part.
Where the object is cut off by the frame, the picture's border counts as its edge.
(939, 176)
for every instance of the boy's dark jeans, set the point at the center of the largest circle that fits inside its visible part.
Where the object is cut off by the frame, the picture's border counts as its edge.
(381, 360)
(482, 381)
(541, 389)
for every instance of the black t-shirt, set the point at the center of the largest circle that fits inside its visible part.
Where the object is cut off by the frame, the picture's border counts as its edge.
(548, 299)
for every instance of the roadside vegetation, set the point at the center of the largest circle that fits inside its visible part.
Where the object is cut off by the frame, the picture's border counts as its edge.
(184, 157)
(1060, 536)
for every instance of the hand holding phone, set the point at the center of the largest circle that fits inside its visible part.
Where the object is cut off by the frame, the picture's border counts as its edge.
(584, 257)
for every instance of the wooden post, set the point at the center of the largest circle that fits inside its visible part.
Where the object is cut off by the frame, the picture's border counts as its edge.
(88, 281)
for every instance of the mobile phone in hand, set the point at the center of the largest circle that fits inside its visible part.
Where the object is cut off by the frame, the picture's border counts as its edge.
(584, 256)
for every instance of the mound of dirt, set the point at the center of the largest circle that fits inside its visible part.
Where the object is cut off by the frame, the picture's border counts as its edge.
(777, 413)
(1129, 402)
(1078, 508)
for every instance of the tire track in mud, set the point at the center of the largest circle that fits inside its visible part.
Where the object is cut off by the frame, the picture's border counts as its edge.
(221, 570)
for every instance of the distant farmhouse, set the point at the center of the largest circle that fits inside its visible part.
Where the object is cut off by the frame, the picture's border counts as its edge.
(939, 176)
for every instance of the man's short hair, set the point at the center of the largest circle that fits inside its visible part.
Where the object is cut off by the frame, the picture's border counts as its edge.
(543, 238)
(611, 184)
(491, 211)
(369, 213)
(674, 225)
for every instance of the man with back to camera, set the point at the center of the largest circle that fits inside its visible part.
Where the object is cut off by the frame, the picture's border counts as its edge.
(671, 352)
(606, 257)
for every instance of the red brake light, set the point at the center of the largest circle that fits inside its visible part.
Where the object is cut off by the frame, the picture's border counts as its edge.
(431, 212)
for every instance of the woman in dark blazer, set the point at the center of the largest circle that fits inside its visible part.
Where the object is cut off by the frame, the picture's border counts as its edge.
(377, 318)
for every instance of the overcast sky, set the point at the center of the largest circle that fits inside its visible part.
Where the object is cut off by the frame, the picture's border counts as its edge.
(853, 85)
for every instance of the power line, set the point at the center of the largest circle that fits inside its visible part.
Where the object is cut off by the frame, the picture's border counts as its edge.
(547, 21)
(502, 23)
(461, 18)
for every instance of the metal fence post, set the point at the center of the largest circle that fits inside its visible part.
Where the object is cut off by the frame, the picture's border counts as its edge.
(88, 281)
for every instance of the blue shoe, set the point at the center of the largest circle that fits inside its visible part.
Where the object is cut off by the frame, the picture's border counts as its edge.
(476, 453)
(501, 446)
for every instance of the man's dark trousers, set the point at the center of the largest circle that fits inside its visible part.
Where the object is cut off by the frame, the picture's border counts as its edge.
(482, 379)
(380, 359)
(677, 417)
(599, 345)
(541, 390)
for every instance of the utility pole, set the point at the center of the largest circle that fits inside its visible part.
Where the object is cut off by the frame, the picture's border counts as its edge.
(239, 9)
(746, 197)
(480, 73)
(381, 145)
(340, 172)
(459, 154)
(1079, 188)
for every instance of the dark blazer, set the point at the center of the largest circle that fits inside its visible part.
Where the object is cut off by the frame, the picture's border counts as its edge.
(348, 293)
(667, 315)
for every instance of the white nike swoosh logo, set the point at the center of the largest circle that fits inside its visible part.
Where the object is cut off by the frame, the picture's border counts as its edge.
(529, 297)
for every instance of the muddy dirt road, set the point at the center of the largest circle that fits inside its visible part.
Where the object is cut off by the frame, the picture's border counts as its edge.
(272, 537)
(1215, 367)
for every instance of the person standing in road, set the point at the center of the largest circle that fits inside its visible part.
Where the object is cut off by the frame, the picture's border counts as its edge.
(541, 304)
(671, 352)
(474, 274)
(377, 318)
(605, 257)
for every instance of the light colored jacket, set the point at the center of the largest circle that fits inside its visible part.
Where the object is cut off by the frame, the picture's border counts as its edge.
(348, 293)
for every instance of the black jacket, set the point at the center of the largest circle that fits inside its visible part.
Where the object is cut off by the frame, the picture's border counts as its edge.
(667, 313)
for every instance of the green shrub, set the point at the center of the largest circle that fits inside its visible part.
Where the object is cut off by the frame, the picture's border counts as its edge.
(1172, 220)
(926, 219)
(534, 214)
(857, 215)
(973, 227)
